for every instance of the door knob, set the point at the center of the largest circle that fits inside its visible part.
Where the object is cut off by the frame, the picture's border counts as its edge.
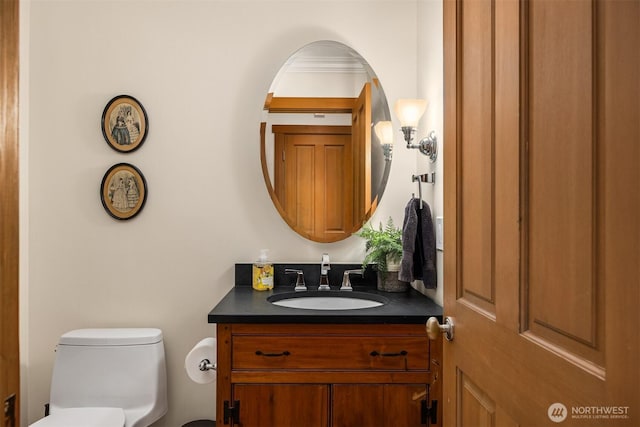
(434, 329)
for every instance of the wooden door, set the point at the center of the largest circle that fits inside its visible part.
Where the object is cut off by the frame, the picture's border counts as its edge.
(9, 347)
(282, 405)
(357, 405)
(542, 200)
(313, 179)
(377, 405)
(361, 136)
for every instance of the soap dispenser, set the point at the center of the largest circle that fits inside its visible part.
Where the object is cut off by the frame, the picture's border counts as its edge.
(262, 273)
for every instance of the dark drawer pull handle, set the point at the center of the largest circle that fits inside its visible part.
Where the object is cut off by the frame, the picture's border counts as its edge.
(284, 353)
(402, 353)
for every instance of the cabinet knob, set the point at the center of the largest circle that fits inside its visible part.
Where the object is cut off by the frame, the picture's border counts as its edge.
(434, 329)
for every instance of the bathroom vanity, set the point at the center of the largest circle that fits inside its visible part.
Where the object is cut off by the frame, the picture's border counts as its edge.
(281, 366)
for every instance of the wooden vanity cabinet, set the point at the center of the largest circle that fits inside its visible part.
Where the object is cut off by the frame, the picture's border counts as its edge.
(327, 375)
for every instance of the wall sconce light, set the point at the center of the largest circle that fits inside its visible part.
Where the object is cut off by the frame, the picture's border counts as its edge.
(409, 112)
(384, 132)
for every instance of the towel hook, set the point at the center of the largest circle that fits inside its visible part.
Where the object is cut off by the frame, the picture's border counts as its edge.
(423, 178)
(429, 178)
(415, 178)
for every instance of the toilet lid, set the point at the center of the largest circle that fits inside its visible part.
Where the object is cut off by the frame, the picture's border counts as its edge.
(83, 417)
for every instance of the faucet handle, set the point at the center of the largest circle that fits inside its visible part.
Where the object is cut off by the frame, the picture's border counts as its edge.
(346, 283)
(300, 285)
(326, 264)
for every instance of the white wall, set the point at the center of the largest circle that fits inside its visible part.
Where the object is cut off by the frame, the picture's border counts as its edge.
(431, 88)
(201, 69)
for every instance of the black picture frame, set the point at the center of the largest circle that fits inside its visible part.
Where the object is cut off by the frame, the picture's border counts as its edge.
(123, 191)
(125, 124)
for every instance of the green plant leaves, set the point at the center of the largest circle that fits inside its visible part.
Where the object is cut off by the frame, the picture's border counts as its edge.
(382, 245)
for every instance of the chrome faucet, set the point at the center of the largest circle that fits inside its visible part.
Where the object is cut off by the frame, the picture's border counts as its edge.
(300, 285)
(325, 266)
(346, 283)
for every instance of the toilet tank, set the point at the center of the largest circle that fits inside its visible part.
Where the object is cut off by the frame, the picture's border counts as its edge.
(120, 368)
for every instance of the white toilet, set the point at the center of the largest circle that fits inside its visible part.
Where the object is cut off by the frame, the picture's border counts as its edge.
(108, 378)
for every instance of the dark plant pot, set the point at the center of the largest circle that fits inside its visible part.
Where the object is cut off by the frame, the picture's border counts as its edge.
(390, 283)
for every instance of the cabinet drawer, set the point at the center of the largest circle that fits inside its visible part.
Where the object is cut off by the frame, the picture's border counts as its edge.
(330, 352)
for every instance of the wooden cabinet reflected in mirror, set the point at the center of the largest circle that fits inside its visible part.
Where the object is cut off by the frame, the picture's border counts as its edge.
(323, 166)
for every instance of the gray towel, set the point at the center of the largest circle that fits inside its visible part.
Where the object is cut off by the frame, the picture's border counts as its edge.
(418, 245)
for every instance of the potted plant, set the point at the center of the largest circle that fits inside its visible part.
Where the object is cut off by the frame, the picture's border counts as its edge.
(383, 248)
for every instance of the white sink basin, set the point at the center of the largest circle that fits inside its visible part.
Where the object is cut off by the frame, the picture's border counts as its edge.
(329, 300)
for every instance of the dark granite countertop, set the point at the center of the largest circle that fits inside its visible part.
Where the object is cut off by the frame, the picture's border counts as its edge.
(242, 304)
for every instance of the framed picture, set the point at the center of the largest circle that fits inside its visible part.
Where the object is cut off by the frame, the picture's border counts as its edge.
(123, 191)
(125, 124)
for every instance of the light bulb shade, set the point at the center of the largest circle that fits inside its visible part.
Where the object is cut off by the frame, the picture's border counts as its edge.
(384, 132)
(409, 111)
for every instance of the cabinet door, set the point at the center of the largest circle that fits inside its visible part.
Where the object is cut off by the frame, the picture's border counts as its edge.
(282, 405)
(375, 405)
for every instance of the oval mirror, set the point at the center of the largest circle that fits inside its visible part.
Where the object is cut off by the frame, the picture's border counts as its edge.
(324, 165)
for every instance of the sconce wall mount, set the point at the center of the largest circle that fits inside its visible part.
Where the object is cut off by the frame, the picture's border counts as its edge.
(427, 145)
